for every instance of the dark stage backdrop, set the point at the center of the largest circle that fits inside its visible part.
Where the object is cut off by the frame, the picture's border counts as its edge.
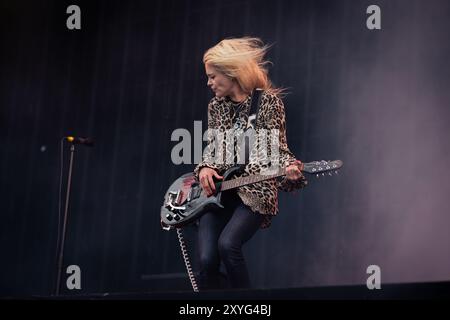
(377, 99)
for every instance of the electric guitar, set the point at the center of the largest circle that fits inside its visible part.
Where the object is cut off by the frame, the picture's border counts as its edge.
(185, 201)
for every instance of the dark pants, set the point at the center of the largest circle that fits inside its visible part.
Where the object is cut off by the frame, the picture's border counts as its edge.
(221, 235)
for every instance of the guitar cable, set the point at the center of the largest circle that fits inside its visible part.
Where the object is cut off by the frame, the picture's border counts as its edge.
(186, 259)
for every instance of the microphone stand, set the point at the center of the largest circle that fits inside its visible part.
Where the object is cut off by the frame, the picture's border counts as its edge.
(63, 235)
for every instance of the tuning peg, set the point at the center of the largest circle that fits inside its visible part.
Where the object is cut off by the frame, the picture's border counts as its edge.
(323, 174)
(317, 176)
(337, 172)
(330, 174)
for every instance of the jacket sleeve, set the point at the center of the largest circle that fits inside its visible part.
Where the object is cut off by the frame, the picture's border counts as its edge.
(277, 120)
(210, 157)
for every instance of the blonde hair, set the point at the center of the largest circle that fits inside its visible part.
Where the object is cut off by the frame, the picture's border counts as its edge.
(242, 59)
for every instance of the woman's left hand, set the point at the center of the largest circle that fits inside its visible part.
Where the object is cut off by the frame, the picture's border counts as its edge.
(293, 171)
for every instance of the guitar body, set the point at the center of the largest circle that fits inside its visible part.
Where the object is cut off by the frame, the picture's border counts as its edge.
(185, 201)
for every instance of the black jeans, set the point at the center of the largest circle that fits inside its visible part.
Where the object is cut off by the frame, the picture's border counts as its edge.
(221, 235)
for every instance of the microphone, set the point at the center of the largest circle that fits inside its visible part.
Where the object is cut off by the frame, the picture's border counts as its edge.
(81, 140)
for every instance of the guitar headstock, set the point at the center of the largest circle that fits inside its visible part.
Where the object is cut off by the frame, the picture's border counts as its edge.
(321, 167)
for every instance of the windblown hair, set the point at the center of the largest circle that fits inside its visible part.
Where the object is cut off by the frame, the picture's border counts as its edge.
(242, 59)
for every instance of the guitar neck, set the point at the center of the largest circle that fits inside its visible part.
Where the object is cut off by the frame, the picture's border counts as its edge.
(315, 167)
(242, 181)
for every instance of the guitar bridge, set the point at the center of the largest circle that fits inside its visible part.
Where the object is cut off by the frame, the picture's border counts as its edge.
(173, 201)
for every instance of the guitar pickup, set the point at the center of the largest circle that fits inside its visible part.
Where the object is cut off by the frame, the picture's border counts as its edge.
(189, 195)
(175, 197)
(173, 201)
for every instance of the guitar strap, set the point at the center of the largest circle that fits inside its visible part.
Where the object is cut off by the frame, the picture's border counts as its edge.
(252, 119)
(254, 108)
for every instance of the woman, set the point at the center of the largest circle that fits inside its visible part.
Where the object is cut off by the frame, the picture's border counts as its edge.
(235, 68)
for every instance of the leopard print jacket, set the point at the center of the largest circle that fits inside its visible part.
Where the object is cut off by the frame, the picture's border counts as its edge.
(261, 197)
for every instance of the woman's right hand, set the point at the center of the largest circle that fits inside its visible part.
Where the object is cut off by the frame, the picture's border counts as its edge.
(206, 180)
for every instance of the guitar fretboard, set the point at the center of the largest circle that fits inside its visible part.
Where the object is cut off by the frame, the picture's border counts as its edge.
(242, 181)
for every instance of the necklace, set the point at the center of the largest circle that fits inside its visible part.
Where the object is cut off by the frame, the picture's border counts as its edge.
(236, 108)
